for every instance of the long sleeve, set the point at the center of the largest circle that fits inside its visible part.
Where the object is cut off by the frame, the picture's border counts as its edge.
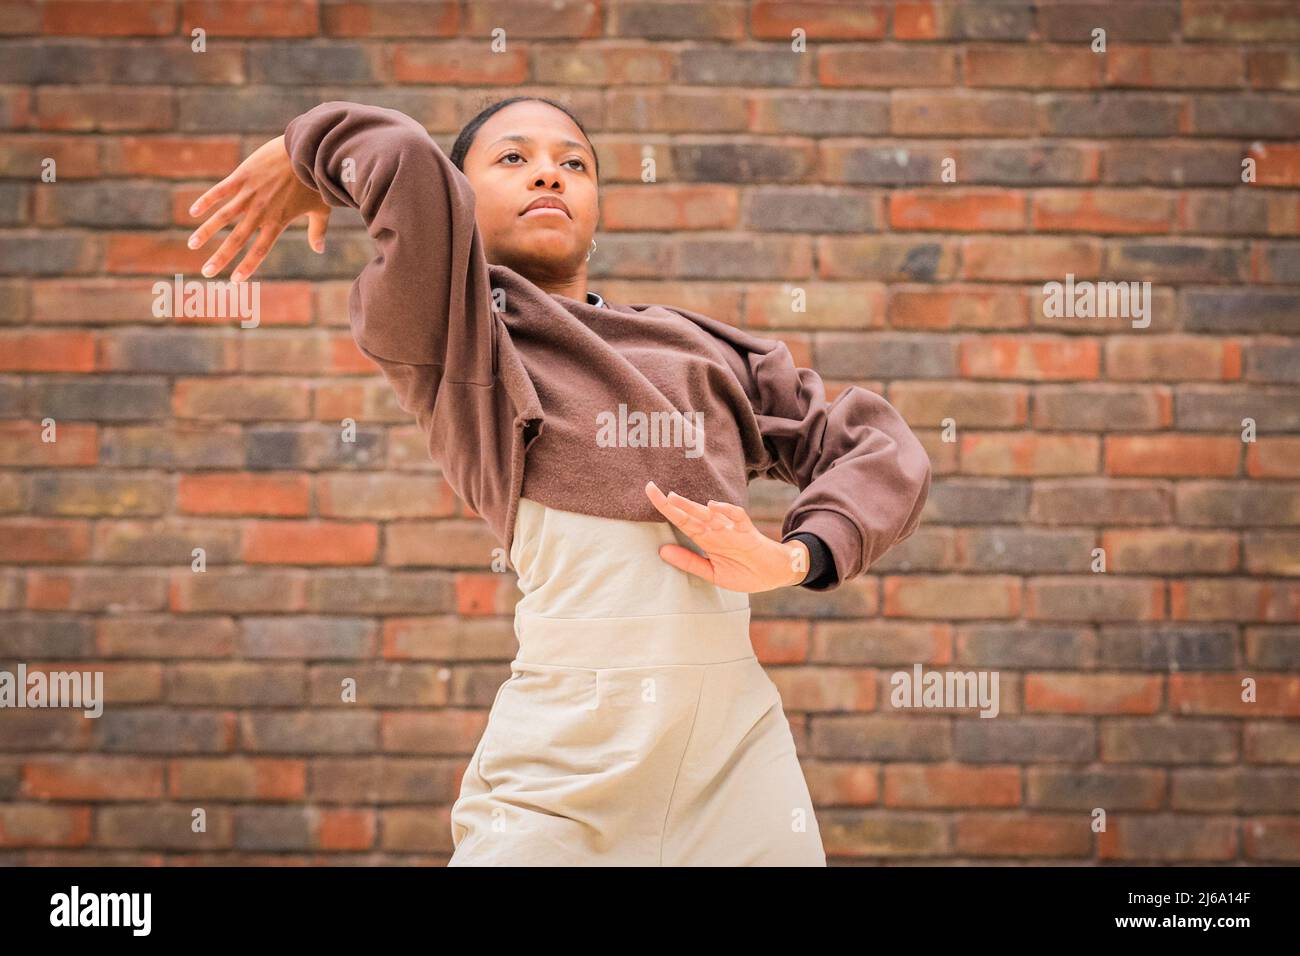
(863, 475)
(421, 308)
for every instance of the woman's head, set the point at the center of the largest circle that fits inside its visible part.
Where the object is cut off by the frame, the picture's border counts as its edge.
(515, 152)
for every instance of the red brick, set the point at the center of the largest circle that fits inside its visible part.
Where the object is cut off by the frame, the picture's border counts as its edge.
(1273, 456)
(1276, 164)
(75, 444)
(1033, 67)
(396, 18)
(1169, 838)
(105, 109)
(310, 542)
(1172, 358)
(1021, 258)
(175, 157)
(1273, 839)
(670, 207)
(1102, 211)
(951, 785)
(962, 113)
(244, 494)
(93, 777)
(35, 824)
(1189, 66)
(238, 18)
(43, 541)
(887, 66)
(1277, 695)
(237, 778)
(108, 17)
(1234, 599)
(47, 352)
(1172, 456)
(957, 210)
(1029, 454)
(1093, 693)
(923, 19)
(76, 157)
(958, 595)
(971, 404)
(1038, 358)
(954, 307)
(1021, 835)
(774, 20)
(458, 64)
(344, 829)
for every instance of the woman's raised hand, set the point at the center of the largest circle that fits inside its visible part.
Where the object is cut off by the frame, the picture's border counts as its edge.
(738, 556)
(265, 192)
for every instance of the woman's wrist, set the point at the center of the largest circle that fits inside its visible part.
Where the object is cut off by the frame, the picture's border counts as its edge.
(799, 561)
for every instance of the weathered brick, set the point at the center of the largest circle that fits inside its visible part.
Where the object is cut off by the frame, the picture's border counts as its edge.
(1092, 597)
(1082, 407)
(1183, 552)
(1237, 503)
(1163, 646)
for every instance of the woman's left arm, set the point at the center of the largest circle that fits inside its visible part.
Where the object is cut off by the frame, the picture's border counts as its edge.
(863, 475)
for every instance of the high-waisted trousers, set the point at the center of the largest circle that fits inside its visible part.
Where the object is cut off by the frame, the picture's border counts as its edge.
(646, 740)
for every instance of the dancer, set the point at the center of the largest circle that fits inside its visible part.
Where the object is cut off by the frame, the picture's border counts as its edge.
(609, 448)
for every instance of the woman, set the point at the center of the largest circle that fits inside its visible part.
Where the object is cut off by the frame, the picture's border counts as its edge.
(637, 727)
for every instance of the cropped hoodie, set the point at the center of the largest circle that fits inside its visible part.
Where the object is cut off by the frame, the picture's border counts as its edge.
(575, 405)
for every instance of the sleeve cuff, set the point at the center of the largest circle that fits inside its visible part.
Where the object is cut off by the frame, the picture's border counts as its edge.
(821, 566)
(840, 535)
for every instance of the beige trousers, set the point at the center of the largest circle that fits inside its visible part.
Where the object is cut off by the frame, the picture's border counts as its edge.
(638, 741)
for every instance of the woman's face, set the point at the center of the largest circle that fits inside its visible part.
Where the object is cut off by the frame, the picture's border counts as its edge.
(523, 152)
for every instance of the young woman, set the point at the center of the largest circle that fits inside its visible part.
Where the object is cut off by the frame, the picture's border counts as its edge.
(637, 726)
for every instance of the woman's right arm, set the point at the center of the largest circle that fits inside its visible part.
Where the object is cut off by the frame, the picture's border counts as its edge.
(421, 307)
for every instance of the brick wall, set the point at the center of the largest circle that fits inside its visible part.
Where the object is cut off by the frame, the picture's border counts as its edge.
(821, 170)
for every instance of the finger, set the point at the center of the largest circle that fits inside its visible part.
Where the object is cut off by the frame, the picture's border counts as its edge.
(711, 519)
(693, 508)
(227, 187)
(233, 243)
(218, 220)
(316, 223)
(265, 240)
(737, 514)
(671, 509)
(684, 559)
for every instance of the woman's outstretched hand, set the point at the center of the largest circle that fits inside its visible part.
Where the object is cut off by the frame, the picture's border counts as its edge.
(265, 191)
(738, 556)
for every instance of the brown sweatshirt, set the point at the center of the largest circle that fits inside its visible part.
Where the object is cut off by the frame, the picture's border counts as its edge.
(596, 400)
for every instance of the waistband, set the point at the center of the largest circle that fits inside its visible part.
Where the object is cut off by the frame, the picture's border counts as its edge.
(643, 641)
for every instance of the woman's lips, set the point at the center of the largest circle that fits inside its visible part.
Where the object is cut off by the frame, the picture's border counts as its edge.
(546, 210)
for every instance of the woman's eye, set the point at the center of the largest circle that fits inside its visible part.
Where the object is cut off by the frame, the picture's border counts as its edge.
(520, 156)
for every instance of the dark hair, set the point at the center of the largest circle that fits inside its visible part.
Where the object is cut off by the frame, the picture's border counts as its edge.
(466, 137)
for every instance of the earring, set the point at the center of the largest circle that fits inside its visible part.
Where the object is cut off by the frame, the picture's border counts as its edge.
(593, 248)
